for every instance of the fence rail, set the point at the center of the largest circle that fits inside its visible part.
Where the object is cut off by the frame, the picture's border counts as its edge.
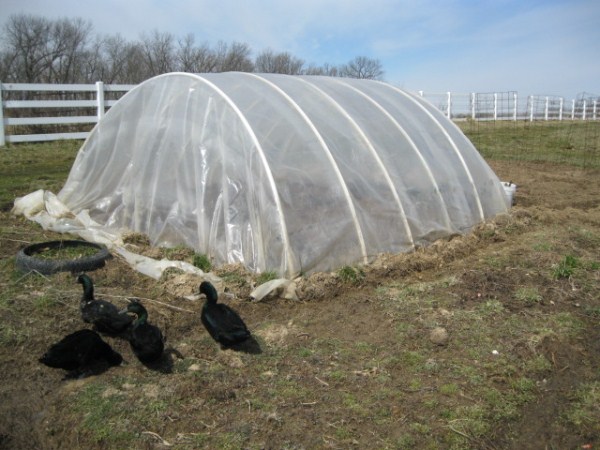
(28, 112)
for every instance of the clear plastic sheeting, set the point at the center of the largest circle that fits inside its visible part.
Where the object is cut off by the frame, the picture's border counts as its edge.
(281, 173)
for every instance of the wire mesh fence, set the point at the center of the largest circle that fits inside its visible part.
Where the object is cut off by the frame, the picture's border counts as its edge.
(482, 106)
(502, 125)
(570, 142)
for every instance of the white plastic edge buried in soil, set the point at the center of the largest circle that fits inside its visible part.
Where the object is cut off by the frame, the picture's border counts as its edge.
(44, 208)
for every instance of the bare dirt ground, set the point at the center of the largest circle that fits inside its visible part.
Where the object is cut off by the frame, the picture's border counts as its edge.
(350, 365)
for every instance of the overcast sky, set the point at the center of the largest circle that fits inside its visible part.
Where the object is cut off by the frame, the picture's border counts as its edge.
(539, 47)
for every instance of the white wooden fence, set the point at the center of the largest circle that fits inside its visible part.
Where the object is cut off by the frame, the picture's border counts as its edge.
(35, 108)
(456, 106)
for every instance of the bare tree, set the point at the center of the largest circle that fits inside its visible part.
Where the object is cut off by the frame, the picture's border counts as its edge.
(69, 39)
(92, 66)
(26, 40)
(270, 62)
(234, 57)
(362, 67)
(195, 59)
(325, 70)
(114, 60)
(114, 54)
(39, 50)
(34, 49)
(158, 53)
(6, 62)
(135, 65)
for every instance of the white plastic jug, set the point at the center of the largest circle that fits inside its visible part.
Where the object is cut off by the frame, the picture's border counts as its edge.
(509, 191)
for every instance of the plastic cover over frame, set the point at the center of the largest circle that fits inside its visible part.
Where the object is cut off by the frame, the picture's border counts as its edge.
(282, 173)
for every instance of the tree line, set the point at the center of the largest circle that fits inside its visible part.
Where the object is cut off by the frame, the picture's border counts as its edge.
(34, 49)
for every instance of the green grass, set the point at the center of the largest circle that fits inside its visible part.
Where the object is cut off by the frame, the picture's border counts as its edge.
(234, 277)
(349, 274)
(102, 416)
(202, 262)
(25, 168)
(585, 238)
(67, 252)
(44, 301)
(178, 252)
(566, 267)
(566, 323)
(538, 365)
(266, 276)
(584, 412)
(529, 295)
(575, 143)
(449, 389)
(11, 335)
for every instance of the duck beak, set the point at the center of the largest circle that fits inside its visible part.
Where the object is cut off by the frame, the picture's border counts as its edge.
(124, 310)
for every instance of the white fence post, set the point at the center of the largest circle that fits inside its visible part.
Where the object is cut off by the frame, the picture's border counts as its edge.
(594, 110)
(473, 105)
(573, 109)
(531, 108)
(560, 108)
(547, 104)
(100, 99)
(584, 108)
(495, 106)
(449, 105)
(515, 101)
(2, 140)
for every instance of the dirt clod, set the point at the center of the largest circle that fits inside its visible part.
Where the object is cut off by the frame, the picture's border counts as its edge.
(439, 336)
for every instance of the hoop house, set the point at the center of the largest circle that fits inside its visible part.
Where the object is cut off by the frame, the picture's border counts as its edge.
(284, 173)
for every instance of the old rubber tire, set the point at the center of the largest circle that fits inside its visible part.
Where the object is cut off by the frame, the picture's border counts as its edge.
(27, 261)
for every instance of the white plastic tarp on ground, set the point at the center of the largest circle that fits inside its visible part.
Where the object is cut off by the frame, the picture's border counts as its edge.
(43, 207)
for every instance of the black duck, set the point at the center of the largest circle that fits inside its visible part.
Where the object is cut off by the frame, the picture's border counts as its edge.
(105, 316)
(223, 323)
(146, 340)
(80, 351)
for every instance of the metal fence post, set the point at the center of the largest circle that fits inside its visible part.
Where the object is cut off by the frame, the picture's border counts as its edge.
(473, 105)
(515, 102)
(583, 112)
(2, 140)
(100, 99)
(449, 106)
(546, 108)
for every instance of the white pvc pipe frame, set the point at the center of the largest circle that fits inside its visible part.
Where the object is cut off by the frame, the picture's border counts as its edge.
(291, 266)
